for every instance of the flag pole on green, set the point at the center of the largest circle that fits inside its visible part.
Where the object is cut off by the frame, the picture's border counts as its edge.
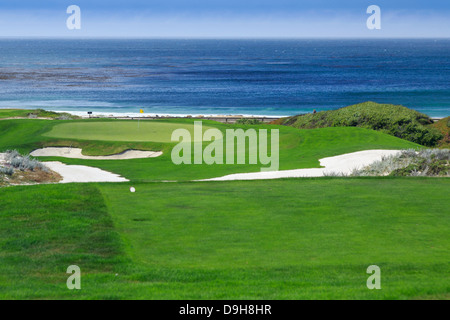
(139, 119)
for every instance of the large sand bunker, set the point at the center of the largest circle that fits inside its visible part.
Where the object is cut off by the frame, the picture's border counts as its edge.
(342, 164)
(71, 173)
(82, 173)
(76, 153)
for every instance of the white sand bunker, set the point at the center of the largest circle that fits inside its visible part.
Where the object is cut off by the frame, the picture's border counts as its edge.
(82, 173)
(75, 153)
(343, 164)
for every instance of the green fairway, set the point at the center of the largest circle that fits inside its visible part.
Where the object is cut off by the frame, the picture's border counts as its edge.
(120, 131)
(279, 239)
(298, 148)
(284, 239)
(46, 228)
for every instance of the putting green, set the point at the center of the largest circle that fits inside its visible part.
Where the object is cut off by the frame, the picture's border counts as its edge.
(120, 130)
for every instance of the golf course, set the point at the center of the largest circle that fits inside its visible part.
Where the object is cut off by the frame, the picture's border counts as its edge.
(178, 238)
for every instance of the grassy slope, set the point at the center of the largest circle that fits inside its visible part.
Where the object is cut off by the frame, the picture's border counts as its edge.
(398, 121)
(443, 126)
(298, 148)
(46, 228)
(309, 238)
(172, 245)
(300, 238)
(23, 113)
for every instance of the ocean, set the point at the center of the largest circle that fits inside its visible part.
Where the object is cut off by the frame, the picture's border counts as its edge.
(223, 77)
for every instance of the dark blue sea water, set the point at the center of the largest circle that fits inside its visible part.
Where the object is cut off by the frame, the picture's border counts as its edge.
(263, 77)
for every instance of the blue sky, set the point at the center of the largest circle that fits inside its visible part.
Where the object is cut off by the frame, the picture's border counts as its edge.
(230, 18)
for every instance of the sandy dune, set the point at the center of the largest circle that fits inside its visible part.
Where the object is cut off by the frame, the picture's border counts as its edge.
(339, 164)
(83, 173)
(75, 153)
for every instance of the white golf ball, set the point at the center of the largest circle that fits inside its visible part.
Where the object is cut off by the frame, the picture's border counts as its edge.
(132, 189)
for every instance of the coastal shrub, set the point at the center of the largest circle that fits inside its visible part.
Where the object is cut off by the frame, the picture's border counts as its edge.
(64, 117)
(6, 170)
(41, 113)
(443, 125)
(398, 121)
(249, 121)
(11, 154)
(16, 160)
(334, 174)
(427, 162)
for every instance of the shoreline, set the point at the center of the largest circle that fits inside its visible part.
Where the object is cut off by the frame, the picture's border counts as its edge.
(155, 116)
(84, 114)
(229, 118)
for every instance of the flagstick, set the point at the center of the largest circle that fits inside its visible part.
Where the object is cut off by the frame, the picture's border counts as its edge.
(139, 119)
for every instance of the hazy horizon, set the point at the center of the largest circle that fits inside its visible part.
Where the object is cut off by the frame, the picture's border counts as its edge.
(262, 19)
(321, 38)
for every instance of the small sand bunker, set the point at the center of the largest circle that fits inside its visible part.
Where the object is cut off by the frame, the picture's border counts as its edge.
(82, 173)
(75, 153)
(344, 164)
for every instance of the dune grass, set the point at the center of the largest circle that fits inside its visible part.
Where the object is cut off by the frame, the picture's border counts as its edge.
(285, 239)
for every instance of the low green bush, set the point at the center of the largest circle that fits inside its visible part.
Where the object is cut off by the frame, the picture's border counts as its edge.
(248, 121)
